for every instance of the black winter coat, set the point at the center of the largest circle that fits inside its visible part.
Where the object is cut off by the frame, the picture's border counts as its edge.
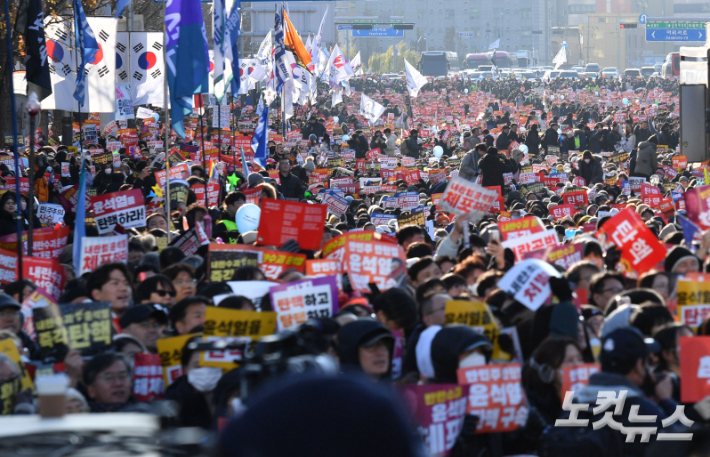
(291, 186)
(492, 167)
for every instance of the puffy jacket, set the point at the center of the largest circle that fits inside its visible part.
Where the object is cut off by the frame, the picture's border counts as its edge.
(469, 165)
(492, 167)
(596, 142)
(413, 147)
(532, 141)
(291, 186)
(591, 172)
(503, 142)
(646, 159)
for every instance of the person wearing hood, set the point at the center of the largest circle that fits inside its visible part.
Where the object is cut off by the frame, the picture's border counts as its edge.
(455, 347)
(624, 368)
(590, 169)
(646, 158)
(680, 260)
(8, 210)
(367, 345)
(193, 391)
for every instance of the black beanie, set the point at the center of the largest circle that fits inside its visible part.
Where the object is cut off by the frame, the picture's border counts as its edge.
(675, 256)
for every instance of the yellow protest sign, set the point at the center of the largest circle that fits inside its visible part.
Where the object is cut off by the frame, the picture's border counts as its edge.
(694, 300)
(170, 351)
(8, 347)
(233, 326)
(479, 316)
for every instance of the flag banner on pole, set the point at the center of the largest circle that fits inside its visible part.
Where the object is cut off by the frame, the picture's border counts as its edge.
(494, 45)
(338, 68)
(37, 62)
(101, 69)
(415, 80)
(186, 50)
(232, 48)
(147, 68)
(61, 65)
(85, 40)
(318, 38)
(370, 109)
(219, 29)
(123, 55)
(282, 70)
(260, 139)
(294, 44)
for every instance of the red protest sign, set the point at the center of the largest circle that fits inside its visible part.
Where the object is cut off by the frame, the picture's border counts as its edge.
(680, 162)
(371, 262)
(8, 266)
(47, 243)
(69, 197)
(560, 211)
(697, 204)
(148, 383)
(439, 410)
(179, 171)
(213, 196)
(126, 208)
(412, 177)
(576, 377)
(373, 153)
(10, 185)
(520, 227)
(563, 255)
(496, 396)
(694, 355)
(282, 221)
(638, 245)
(48, 274)
(577, 198)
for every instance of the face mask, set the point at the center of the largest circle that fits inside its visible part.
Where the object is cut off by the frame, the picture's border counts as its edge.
(587, 160)
(107, 171)
(237, 406)
(473, 360)
(204, 379)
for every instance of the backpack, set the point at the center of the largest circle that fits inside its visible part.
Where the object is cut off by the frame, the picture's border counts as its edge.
(403, 147)
(580, 441)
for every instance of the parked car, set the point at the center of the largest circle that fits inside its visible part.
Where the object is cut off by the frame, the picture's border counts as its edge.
(646, 72)
(632, 73)
(610, 72)
(592, 67)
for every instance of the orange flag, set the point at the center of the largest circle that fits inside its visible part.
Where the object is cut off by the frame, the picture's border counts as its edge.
(294, 43)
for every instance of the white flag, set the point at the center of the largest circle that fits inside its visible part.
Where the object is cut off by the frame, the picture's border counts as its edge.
(494, 45)
(147, 68)
(337, 98)
(102, 69)
(370, 109)
(61, 65)
(356, 64)
(415, 80)
(123, 69)
(338, 68)
(317, 39)
(246, 67)
(219, 26)
(561, 57)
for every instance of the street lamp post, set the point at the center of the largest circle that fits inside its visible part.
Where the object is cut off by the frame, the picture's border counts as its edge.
(32, 108)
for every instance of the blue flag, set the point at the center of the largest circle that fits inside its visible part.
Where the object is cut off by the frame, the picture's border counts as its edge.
(233, 38)
(186, 50)
(79, 229)
(689, 231)
(120, 6)
(282, 68)
(261, 138)
(88, 47)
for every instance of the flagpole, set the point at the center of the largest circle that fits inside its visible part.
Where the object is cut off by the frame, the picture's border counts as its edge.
(168, 128)
(10, 66)
(204, 153)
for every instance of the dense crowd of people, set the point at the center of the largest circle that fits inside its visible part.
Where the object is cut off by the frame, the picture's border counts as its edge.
(614, 142)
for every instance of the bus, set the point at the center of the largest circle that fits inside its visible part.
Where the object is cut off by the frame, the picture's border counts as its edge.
(438, 63)
(671, 67)
(503, 59)
(473, 61)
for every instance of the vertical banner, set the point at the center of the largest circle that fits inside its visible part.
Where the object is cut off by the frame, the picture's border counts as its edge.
(147, 68)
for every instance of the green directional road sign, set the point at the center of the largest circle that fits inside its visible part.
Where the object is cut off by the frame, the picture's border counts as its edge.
(675, 25)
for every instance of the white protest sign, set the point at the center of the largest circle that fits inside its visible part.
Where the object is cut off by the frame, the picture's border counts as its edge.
(144, 113)
(49, 212)
(532, 242)
(466, 197)
(220, 118)
(124, 103)
(91, 134)
(65, 170)
(96, 251)
(529, 282)
(299, 301)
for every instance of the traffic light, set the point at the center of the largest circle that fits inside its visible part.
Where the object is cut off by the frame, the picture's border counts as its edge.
(632, 25)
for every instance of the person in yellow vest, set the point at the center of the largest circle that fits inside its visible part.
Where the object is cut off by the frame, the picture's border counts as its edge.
(226, 227)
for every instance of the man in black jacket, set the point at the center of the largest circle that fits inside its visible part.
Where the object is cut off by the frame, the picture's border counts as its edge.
(642, 132)
(596, 142)
(551, 137)
(413, 146)
(493, 166)
(291, 186)
(503, 141)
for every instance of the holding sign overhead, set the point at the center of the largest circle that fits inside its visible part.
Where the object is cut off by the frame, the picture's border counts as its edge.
(464, 197)
(126, 208)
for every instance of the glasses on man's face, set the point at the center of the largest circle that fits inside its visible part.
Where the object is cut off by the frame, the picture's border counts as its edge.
(183, 282)
(113, 377)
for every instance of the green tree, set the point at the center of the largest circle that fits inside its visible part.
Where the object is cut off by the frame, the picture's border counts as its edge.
(383, 62)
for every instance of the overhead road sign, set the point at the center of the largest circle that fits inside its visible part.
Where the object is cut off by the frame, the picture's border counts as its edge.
(378, 32)
(674, 34)
(643, 18)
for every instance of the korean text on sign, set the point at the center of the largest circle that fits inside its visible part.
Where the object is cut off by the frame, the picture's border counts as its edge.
(693, 300)
(439, 410)
(463, 197)
(496, 396)
(638, 245)
(283, 221)
(371, 261)
(126, 208)
(299, 301)
(533, 242)
(96, 251)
